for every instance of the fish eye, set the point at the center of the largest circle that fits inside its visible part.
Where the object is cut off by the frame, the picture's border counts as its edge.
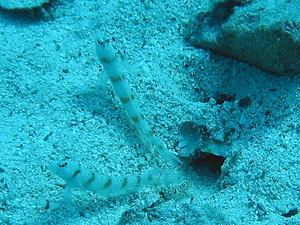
(63, 165)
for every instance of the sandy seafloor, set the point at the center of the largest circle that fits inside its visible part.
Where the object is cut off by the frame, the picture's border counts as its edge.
(53, 107)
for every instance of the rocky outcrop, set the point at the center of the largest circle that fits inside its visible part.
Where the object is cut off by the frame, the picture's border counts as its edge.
(263, 33)
(21, 4)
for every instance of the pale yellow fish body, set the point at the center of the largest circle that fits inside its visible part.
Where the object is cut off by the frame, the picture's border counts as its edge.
(117, 75)
(86, 179)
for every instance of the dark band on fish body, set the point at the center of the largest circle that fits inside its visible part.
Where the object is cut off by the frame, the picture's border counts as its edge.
(108, 183)
(160, 147)
(139, 180)
(124, 183)
(150, 133)
(125, 100)
(75, 173)
(117, 79)
(89, 181)
(135, 119)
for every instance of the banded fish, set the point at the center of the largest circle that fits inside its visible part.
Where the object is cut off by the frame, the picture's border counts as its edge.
(89, 180)
(117, 75)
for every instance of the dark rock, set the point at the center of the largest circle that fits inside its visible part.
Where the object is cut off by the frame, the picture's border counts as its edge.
(263, 33)
(21, 4)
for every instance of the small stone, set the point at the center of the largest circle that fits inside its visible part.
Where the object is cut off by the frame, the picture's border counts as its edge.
(244, 102)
